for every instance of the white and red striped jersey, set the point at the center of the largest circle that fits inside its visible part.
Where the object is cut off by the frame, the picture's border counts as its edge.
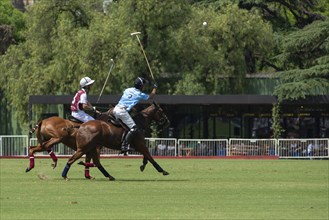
(79, 98)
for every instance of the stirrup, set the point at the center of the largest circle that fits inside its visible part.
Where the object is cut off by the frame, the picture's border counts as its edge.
(126, 149)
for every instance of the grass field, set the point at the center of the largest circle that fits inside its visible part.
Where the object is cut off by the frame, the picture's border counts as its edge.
(195, 189)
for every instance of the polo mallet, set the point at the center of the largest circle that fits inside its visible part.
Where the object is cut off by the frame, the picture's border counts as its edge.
(140, 44)
(108, 75)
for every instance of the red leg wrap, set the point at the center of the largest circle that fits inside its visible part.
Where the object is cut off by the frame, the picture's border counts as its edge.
(31, 161)
(87, 174)
(52, 155)
(89, 164)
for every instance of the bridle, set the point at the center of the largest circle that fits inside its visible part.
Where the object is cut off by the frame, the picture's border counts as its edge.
(163, 119)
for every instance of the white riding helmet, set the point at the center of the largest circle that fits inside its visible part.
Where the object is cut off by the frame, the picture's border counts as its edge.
(86, 81)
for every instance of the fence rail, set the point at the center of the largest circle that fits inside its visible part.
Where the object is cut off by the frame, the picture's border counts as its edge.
(303, 148)
(202, 147)
(252, 147)
(17, 145)
(13, 145)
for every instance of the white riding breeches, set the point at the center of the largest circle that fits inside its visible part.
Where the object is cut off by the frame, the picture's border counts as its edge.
(82, 116)
(121, 113)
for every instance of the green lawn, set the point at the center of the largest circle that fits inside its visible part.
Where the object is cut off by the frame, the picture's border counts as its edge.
(195, 189)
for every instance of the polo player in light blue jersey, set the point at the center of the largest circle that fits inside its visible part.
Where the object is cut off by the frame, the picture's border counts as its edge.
(128, 100)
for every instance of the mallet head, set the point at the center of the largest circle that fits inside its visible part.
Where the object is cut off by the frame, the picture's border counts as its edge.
(135, 33)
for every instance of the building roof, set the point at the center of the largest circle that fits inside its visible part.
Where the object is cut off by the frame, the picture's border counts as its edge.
(184, 99)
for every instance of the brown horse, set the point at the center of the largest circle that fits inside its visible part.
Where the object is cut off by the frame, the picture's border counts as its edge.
(99, 133)
(55, 130)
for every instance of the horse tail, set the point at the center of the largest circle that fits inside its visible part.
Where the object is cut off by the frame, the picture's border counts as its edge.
(32, 130)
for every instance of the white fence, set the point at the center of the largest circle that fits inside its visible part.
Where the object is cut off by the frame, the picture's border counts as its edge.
(303, 148)
(58, 149)
(252, 147)
(156, 146)
(17, 145)
(202, 147)
(13, 145)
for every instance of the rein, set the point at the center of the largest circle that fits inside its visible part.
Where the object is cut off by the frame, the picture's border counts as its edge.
(142, 119)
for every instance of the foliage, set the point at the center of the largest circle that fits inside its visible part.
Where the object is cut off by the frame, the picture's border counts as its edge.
(285, 14)
(68, 39)
(12, 25)
(42, 64)
(156, 20)
(305, 59)
(276, 125)
(232, 44)
(13, 18)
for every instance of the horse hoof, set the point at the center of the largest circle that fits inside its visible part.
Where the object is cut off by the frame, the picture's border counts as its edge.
(89, 177)
(165, 173)
(54, 165)
(142, 168)
(111, 178)
(81, 163)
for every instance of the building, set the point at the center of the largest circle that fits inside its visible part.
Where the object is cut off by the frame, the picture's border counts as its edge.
(218, 116)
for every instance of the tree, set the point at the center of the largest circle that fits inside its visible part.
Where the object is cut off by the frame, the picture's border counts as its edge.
(67, 40)
(286, 13)
(233, 44)
(305, 60)
(37, 65)
(11, 25)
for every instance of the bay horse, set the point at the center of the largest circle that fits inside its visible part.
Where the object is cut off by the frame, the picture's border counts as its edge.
(55, 130)
(99, 133)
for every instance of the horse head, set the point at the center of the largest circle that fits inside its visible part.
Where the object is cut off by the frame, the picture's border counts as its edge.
(155, 113)
(161, 117)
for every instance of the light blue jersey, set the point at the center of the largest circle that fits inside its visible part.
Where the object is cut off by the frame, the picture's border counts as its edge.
(131, 97)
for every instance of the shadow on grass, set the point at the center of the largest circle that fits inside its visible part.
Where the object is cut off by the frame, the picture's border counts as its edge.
(156, 180)
(122, 180)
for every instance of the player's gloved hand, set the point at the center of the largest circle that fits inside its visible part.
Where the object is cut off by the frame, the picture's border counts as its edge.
(155, 85)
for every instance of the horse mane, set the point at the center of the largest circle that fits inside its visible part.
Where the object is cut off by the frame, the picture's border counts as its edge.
(141, 117)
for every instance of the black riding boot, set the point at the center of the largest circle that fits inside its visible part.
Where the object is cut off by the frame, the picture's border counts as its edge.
(126, 142)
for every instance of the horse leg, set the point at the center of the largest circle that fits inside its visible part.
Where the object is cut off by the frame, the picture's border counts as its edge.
(142, 167)
(147, 156)
(54, 157)
(32, 150)
(88, 164)
(99, 165)
(78, 154)
(48, 145)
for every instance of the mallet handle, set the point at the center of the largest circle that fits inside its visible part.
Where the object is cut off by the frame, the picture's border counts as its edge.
(136, 33)
(108, 75)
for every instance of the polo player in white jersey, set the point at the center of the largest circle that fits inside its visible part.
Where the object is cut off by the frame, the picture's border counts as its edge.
(80, 102)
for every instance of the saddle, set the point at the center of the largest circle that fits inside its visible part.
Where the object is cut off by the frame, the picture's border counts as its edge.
(117, 122)
(111, 119)
(73, 119)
